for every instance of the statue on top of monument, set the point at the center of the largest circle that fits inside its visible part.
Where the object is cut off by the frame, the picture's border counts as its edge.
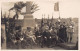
(19, 5)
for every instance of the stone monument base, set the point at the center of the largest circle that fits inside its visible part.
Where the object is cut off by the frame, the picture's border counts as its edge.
(28, 21)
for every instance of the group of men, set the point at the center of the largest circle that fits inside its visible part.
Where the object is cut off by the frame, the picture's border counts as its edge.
(57, 33)
(42, 36)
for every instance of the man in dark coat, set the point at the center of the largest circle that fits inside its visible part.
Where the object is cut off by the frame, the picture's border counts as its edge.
(62, 33)
(38, 37)
(46, 38)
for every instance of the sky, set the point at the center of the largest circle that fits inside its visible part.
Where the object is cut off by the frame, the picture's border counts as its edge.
(67, 8)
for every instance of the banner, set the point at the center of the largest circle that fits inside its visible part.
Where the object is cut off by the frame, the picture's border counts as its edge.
(56, 6)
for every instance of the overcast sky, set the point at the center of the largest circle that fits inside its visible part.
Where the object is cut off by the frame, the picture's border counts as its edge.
(68, 8)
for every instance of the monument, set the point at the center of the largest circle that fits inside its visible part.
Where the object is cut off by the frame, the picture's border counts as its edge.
(28, 20)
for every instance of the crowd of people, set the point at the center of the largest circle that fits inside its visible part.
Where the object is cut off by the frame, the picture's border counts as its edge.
(43, 36)
(57, 33)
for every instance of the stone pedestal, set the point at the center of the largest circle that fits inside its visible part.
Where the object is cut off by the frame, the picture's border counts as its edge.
(28, 21)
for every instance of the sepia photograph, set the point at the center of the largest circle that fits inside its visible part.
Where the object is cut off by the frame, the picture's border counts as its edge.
(40, 25)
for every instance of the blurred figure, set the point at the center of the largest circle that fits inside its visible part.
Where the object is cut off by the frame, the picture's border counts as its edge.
(62, 34)
(53, 33)
(30, 37)
(46, 36)
(69, 33)
(38, 37)
(18, 35)
(2, 37)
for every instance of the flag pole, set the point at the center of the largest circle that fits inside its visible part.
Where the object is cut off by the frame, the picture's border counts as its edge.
(59, 10)
(56, 8)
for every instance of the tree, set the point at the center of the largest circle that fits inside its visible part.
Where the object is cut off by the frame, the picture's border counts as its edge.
(19, 5)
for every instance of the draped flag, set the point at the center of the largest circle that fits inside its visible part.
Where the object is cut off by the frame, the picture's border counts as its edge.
(56, 6)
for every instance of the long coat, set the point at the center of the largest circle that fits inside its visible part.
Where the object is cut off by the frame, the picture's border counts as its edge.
(62, 33)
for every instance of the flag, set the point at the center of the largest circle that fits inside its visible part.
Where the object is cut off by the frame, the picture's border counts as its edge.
(56, 6)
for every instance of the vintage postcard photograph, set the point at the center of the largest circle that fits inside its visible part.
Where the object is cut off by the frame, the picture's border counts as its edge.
(40, 25)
